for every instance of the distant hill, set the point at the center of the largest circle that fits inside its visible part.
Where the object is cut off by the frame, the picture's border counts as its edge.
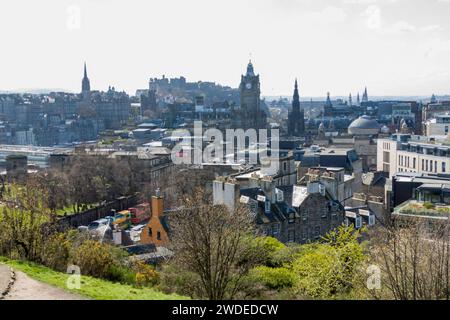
(35, 91)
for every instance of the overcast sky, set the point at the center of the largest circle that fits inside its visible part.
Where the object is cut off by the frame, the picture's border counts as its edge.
(394, 47)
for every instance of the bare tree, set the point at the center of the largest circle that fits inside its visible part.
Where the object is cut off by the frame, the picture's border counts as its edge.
(414, 260)
(213, 243)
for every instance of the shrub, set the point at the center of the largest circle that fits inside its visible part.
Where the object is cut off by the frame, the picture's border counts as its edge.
(269, 249)
(56, 252)
(175, 280)
(274, 278)
(318, 272)
(145, 274)
(328, 270)
(428, 205)
(93, 258)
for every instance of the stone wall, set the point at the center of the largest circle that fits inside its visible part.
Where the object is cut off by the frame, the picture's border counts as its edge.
(86, 217)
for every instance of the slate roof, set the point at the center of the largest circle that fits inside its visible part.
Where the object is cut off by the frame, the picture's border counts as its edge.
(279, 211)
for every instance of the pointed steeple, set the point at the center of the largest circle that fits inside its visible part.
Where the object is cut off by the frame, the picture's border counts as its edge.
(350, 102)
(296, 117)
(358, 101)
(250, 71)
(85, 70)
(328, 103)
(296, 99)
(85, 83)
(365, 97)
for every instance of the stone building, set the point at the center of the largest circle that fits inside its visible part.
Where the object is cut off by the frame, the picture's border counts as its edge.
(291, 213)
(16, 166)
(250, 114)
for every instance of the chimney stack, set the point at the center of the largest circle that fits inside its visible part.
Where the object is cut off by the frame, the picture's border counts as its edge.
(157, 204)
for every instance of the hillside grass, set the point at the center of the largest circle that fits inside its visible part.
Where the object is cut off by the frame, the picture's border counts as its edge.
(92, 288)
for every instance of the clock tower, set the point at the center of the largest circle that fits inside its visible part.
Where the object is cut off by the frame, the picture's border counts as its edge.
(250, 112)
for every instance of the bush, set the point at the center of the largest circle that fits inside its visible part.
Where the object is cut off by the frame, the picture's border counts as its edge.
(122, 274)
(428, 205)
(271, 251)
(94, 259)
(274, 278)
(318, 272)
(175, 280)
(56, 252)
(145, 274)
(329, 270)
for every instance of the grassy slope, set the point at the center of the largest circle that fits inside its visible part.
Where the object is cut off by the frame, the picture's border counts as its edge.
(90, 287)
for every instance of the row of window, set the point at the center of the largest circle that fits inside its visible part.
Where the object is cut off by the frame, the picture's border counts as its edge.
(404, 161)
(304, 234)
(427, 165)
(274, 230)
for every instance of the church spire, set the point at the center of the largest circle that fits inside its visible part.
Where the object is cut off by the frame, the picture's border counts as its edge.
(296, 117)
(328, 103)
(85, 83)
(85, 70)
(365, 97)
(296, 99)
(350, 102)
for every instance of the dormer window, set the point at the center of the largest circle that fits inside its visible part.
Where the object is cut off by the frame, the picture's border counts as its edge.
(291, 217)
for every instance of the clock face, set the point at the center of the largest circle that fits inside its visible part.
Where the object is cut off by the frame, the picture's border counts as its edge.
(248, 85)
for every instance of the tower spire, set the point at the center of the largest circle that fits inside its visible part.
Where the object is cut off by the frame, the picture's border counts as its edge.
(250, 71)
(365, 97)
(296, 98)
(328, 103)
(296, 117)
(85, 83)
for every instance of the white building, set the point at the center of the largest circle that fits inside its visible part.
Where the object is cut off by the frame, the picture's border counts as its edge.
(438, 126)
(405, 153)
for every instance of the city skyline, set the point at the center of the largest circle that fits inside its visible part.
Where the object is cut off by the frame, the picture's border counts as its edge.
(348, 44)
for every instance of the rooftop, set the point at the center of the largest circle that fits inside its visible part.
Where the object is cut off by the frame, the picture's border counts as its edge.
(417, 209)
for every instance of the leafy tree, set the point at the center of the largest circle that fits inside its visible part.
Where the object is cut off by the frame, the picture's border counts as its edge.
(22, 216)
(329, 269)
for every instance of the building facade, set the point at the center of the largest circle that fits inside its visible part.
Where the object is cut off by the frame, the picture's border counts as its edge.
(403, 153)
(250, 113)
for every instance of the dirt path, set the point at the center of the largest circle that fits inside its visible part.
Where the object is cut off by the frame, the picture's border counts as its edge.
(5, 279)
(25, 288)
